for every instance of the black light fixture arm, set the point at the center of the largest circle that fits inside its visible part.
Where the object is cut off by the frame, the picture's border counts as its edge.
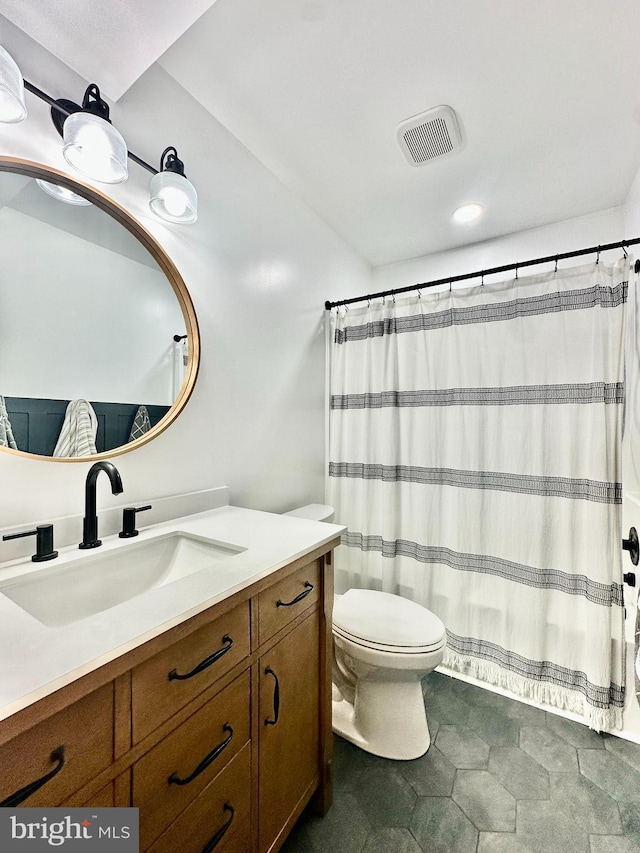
(170, 162)
(67, 108)
(94, 103)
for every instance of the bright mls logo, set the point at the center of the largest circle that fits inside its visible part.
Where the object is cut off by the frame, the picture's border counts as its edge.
(70, 829)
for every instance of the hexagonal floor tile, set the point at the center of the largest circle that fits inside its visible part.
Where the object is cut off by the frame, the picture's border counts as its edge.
(345, 827)
(391, 839)
(630, 816)
(612, 844)
(549, 750)
(576, 734)
(505, 842)
(430, 776)
(482, 697)
(485, 802)
(386, 797)
(614, 776)
(463, 747)
(585, 803)
(544, 827)
(494, 726)
(439, 826)
(446, 707)
(519, 773)
(629, 752)
(526, 715)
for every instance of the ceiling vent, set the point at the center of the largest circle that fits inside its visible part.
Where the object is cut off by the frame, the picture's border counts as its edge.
(430, 135)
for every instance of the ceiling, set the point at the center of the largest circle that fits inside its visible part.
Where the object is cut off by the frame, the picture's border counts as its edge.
(88, 34)
(546, 95)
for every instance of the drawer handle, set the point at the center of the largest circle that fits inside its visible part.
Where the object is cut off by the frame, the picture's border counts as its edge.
(21, 795)
(174, 779)
(204, 664)
(308, 588)
(213, 842)
(276, 698)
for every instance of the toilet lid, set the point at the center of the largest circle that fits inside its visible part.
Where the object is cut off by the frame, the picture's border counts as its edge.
(386, 619)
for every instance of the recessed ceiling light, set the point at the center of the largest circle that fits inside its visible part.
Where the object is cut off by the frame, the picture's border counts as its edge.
(467, 212)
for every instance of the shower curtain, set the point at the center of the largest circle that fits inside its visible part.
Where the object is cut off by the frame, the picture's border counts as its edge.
(475, 456)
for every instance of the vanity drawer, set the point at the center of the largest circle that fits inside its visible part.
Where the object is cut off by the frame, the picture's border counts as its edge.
(63, 752)
(286, 599)
(221, 811)
(105, 798)
(167, 778)
(171, 679)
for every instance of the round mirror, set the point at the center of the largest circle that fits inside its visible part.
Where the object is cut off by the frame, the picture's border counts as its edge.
(99, 344)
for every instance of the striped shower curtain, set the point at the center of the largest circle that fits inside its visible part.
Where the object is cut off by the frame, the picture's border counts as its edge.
(475, 457)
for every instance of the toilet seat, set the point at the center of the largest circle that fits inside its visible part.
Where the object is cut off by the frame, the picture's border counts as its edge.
(387, 623)
(385, 647)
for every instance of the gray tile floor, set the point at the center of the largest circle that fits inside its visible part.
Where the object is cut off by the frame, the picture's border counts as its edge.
(499, 777)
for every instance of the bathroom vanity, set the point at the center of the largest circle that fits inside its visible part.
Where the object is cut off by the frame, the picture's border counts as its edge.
(206, 702)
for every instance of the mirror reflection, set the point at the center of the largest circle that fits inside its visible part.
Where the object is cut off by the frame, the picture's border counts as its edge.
(94, 342)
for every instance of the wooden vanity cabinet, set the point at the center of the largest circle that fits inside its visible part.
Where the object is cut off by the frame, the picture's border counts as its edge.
(218, 730)
(289, 726)
(43, 765)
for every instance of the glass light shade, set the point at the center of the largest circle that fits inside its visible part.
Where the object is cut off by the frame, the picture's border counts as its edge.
(62, 193)
(172, 197)
(95, 148)
(12, 105)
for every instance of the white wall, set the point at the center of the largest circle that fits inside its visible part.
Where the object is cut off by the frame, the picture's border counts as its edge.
(631, 210)
(259, 266)
(606, 226)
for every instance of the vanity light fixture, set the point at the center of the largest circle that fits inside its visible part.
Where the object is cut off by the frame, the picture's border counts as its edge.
(12, 105)
(467, 212)
(62, 193)
(95, 148)
(172, 196)
(92, 145)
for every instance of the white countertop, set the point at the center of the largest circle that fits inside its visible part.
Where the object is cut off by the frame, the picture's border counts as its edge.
(36, 660)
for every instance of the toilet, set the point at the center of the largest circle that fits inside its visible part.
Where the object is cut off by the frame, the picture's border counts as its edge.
(383, 646)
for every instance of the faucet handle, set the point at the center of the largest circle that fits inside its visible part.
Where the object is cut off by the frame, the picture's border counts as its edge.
(129, 520)
(44, 542)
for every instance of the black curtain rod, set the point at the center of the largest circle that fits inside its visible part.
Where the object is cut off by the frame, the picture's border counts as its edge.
(481, 273)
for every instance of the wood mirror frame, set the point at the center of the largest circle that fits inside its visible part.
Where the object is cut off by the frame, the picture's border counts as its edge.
(37, 170)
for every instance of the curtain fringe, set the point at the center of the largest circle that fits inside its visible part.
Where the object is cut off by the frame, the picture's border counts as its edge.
(599, 719)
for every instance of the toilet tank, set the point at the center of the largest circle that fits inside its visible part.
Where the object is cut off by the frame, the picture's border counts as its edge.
(313, 512)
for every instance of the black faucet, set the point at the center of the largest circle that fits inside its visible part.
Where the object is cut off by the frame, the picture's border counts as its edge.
(90, 522)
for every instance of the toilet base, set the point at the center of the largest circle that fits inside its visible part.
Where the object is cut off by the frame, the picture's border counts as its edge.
(386, 719)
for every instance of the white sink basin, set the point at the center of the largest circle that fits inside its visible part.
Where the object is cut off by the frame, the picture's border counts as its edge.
(60, 595)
